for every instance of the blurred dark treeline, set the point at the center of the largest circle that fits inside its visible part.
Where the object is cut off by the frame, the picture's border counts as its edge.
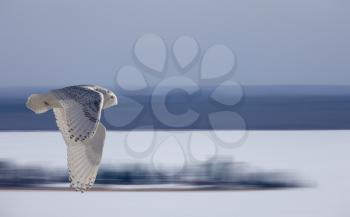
(263, 107)
(219, 174)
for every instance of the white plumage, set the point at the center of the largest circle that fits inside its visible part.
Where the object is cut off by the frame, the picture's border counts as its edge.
(78, 111)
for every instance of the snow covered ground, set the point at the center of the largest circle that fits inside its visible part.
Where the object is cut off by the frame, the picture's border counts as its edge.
(320, 157)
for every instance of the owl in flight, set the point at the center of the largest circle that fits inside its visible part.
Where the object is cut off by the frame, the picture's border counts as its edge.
(77, 111)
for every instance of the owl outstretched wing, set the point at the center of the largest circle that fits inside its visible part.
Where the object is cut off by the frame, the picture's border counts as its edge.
(83, 157)
(78, 119)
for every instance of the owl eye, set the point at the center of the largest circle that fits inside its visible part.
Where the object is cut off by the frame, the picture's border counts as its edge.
(112, 97)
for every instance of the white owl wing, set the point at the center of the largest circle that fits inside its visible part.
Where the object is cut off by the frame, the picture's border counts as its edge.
(82, 111)
(83, 157)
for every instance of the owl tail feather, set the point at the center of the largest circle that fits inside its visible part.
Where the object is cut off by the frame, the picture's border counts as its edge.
(38, 103)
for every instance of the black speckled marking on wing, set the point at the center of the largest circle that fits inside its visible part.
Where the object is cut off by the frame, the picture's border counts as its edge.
(82, 107)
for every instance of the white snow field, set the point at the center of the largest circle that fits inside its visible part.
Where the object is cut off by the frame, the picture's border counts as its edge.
(321, 157)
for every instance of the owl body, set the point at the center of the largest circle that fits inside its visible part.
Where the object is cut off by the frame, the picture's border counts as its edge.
(77, 110)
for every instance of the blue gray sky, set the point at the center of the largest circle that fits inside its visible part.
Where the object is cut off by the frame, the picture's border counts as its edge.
(58, 43)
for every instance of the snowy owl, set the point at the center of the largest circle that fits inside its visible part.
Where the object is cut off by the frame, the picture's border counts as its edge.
(78, 110)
